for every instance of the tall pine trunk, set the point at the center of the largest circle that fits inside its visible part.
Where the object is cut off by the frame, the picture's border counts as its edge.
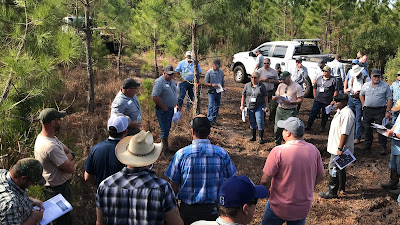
(119, 55)
(89, 64)
(155, 53)
(196, 105)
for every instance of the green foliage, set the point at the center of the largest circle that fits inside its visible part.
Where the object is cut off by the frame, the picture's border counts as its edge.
(392, 67)
(146, 101)
(69, 47)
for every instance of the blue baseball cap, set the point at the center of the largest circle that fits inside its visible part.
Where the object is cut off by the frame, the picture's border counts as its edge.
(239, 190)
(355, 61)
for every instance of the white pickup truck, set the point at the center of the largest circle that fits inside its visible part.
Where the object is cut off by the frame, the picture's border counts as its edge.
(284, 53)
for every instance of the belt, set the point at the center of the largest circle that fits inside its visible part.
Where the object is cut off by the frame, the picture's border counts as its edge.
(355, 96)
(379, 107)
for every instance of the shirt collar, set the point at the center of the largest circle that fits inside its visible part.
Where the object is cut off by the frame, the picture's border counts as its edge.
(113, 139)
(127, 170)
(224, 222)
(200, 141)
(11, 183)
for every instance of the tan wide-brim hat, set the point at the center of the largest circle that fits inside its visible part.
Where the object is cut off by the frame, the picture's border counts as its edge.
(138, 150)
(396, 107)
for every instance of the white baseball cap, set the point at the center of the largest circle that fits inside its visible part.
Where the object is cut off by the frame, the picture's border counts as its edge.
(119, 122)
(188, 53)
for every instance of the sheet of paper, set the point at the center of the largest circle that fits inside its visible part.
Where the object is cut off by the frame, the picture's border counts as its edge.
(177, 115)
(383, 132)
(329, 109)
(219, 89)
(244, 112)
(385, 121)
(345, 160)
(375, 125)
(279, 99)
(54, 208)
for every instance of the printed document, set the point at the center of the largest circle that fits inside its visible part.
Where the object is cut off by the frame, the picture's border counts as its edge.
(54, 208)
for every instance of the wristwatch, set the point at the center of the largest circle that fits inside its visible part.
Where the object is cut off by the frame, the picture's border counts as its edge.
(340, 149)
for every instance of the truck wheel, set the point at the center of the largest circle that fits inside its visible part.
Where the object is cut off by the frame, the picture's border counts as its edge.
(239, 74)
(307, 88)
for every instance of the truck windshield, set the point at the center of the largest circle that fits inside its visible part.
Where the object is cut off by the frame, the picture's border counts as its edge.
(307, 50)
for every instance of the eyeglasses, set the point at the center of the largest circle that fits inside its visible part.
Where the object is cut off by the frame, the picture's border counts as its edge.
(377, 76)
(267, 63)
(254, 77)
(324, 70)
(253, 202)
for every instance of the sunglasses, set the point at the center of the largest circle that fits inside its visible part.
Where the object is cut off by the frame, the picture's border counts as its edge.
(254, 77)
(267, 63)
(377, 76)
(324, 70)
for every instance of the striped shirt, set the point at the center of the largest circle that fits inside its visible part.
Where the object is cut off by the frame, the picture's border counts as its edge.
(200, 169)
(135, 196)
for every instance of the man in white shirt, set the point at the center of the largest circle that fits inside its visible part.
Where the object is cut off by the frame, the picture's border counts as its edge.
(341, 138)
(337, 71)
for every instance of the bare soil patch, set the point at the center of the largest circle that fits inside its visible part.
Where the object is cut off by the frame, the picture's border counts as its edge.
(364, 203)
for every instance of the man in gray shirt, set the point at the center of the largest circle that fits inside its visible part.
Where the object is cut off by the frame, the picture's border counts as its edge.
(270, 78)
(259, 59)
(127, 103)
(324, 89)
(214, 79)
(376, 99)
(164, 96)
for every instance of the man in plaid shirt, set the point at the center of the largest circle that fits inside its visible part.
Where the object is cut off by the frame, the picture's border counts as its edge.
(135, 195)
(196, 173)
(15, 206)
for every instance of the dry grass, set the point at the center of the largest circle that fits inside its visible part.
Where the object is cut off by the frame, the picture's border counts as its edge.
(364, 203)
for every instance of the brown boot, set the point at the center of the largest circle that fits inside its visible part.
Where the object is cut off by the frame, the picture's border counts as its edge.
(167, 152)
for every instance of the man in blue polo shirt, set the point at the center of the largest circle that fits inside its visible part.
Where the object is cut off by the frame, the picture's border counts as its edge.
(164, 96)
(101, 161)
(186, 72)
(196, 173)
(215, 80)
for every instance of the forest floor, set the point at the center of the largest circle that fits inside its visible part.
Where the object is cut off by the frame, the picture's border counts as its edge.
(364, 202)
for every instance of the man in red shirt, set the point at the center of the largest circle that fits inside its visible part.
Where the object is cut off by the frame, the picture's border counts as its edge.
(290, 173)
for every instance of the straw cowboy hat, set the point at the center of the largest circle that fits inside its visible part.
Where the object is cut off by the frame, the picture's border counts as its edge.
(138, 150)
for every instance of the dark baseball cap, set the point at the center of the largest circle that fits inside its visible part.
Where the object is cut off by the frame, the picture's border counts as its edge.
(130, 83)
(284, 75)
(239, 190)
(217, 63)
(277, 66)
(201, 125)
(376, 72)
(169, 70)
(31, 168)
(49, 114)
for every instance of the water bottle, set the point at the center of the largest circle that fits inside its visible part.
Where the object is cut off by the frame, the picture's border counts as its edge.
(139, 118)
(334, 172)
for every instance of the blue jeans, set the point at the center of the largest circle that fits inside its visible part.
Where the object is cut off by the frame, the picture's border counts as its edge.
(214, 100)
(256, 115)
(183, 88)
(316, 108)
(394, 163)
(394, 117)
(339, 84)
(164, 120)
(270, 218)
(356, 106)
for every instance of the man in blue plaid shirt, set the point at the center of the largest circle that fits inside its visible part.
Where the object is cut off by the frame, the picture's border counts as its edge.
(197, 171)
(135, 195)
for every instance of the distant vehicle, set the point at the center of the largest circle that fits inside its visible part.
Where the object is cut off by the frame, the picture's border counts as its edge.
(106, 33)
(285, 53)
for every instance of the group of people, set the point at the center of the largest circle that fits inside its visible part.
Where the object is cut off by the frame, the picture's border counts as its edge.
(203, 186)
